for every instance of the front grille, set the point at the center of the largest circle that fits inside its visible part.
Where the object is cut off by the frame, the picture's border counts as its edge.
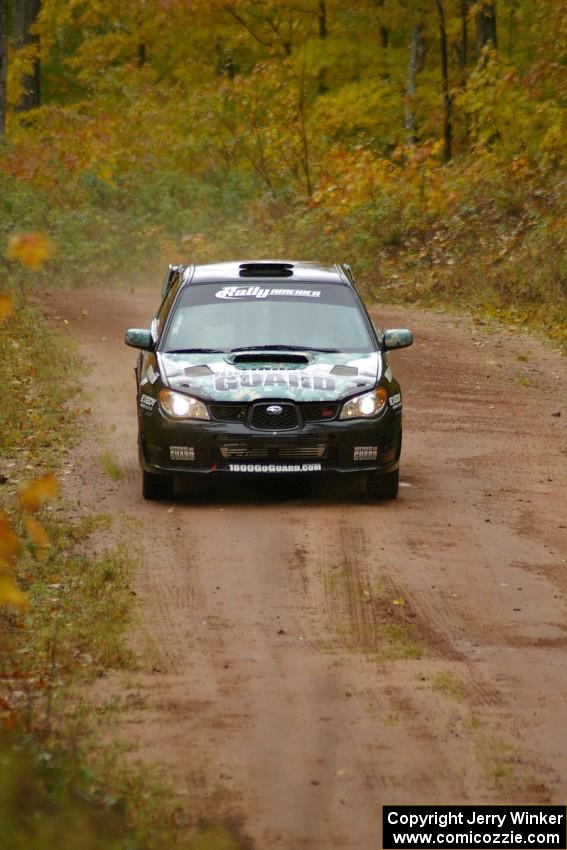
(291, 452)
(302, 452)
(280, 421)
(229, 412)
(319, 411)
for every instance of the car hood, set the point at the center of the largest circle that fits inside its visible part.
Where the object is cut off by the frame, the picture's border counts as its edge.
(301, 376)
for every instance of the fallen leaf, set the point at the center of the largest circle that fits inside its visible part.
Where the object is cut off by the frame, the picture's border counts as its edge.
(9, 543)
(10, 593)
(34, 493)
(6, 306)
(30, 249)
(36, 532)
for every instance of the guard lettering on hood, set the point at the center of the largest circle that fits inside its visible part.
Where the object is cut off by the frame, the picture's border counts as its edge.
(272, 379)
(213, 378)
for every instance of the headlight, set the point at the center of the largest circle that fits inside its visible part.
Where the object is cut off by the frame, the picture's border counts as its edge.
(361, 406)
(181, 406)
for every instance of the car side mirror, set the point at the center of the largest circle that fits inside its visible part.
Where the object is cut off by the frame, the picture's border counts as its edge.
(397, 338)
(138, 338)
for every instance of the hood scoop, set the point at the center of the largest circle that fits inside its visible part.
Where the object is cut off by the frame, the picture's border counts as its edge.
(262, 358)
(197, 371)
(347, 371)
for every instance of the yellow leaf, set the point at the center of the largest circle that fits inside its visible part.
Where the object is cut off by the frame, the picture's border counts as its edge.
(36, 532)
(10, 593)
(9, 543)
(34, 493)
(399, 601)
(31, 249)
(6, 308)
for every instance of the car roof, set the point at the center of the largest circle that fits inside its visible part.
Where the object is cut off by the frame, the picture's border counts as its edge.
(243, 271)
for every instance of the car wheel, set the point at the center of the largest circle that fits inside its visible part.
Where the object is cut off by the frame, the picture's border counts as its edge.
(155, 487)
(383, 486)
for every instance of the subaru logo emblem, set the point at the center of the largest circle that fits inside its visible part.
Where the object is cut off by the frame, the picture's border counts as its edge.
(274, 410)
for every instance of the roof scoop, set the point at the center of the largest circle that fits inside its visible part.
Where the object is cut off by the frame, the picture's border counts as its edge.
(266, 269)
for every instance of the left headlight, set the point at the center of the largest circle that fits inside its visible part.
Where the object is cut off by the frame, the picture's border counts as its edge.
(363, 406)
(181, 406)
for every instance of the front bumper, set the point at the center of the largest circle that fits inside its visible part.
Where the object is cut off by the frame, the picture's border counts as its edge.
(211, 447)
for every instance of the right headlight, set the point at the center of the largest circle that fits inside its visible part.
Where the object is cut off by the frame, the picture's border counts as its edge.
(180, 406)
(365, 405)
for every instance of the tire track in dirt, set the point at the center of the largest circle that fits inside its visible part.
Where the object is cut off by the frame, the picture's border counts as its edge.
(269, 688)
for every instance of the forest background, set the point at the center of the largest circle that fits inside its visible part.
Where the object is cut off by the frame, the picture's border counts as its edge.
(422, 141)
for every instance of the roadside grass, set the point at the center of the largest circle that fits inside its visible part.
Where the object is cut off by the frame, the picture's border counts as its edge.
(62, 797)
(57, 783)
(99, 236)
(110, 466)
(44, 797)
(40, 407)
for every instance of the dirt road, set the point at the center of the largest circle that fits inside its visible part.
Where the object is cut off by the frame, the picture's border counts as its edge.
(306, 656)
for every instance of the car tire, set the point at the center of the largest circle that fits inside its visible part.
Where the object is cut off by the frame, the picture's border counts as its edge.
(156, 487)
(383, 486)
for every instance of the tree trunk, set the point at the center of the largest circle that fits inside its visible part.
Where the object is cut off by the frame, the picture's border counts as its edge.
(464, 56)
(25, 15)
(485, 22)
(511, 27)
(305, 162)
(415, 60)
(3, 62)
(447, 100)
(464, 45)
(322, 19)
(384, 31)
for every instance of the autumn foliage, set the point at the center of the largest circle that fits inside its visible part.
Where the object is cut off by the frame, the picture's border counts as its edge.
(32, 494)
(423, 142)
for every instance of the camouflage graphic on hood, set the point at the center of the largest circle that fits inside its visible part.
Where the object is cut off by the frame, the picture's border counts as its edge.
(301, 376)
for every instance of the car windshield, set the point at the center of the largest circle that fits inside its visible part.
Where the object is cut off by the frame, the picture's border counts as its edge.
(263, 314)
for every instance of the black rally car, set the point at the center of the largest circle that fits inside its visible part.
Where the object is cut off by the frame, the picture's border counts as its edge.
(266, 368)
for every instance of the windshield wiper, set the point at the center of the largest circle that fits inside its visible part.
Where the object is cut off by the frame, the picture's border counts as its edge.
(283, 348)
(195, 351)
